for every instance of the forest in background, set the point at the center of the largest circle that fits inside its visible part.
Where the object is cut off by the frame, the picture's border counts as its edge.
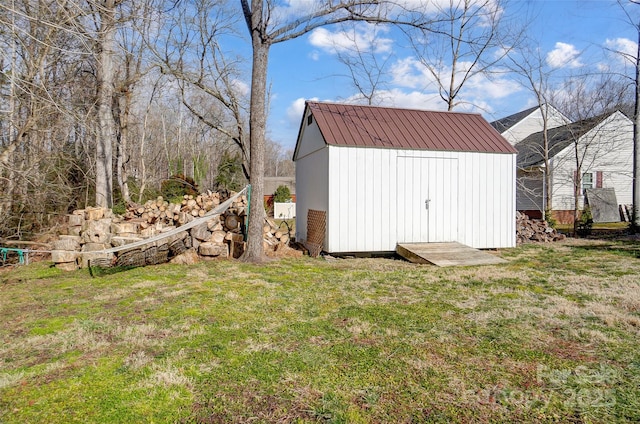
(50, 76)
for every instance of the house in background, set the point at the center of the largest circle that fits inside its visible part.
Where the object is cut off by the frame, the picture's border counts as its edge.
(272, 183)
(379, 176)
(518, 126)
(601, 148)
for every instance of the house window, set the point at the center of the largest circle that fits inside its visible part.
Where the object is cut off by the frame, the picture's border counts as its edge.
(587, 180)
(309, 119)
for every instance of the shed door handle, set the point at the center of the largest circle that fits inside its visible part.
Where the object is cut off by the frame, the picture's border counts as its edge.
(426, 204)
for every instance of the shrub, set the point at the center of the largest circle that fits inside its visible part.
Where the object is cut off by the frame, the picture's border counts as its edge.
(282, 194)
(585, 223)
(548, 216)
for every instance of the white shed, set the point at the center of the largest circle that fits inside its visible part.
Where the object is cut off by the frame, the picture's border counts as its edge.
(382, 176)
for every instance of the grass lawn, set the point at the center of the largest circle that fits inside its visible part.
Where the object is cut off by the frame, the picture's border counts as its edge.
(553, 336)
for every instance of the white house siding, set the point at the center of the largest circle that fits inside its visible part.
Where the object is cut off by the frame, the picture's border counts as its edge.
(362, 198)
(533, 124)
(610, 150)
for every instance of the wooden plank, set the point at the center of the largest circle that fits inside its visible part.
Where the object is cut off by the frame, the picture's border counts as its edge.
(446, 254)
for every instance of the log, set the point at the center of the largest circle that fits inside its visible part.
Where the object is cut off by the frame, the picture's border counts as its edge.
(232, 221)
(201, 232)
(218, 237)
(61, 256)
(213, 249)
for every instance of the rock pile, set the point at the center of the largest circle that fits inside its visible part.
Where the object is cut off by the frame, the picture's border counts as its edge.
(93, 230)
(528, 230)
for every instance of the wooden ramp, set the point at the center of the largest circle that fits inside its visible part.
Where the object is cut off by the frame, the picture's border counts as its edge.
(446, 254)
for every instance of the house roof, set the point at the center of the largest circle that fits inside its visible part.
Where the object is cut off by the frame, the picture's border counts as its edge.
(384, 127)
(530, 150)
(503, 124)
(272, 183)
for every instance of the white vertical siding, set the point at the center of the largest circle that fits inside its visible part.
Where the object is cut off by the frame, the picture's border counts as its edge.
(362, 198)
(312, 186)
(427, 198)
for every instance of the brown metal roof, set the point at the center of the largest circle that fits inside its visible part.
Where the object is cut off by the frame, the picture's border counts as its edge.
(384, 127)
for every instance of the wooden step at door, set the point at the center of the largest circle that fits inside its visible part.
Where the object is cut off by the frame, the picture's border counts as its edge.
(446, 254)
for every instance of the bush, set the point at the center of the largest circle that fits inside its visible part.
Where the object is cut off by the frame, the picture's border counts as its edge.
(282, 194)
(585, 223)
(548, 216)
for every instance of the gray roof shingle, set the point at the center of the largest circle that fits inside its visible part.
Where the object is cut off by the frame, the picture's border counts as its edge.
(530, 150)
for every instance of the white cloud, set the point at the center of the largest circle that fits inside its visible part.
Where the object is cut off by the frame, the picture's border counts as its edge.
(623, 48)
(564, 55)
(410, 100)
(295, 111)
(240, 87)
(411, 73)
(362, 37)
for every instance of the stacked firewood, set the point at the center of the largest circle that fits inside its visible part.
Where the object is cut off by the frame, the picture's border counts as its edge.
(275, 235)
(160, 210)
(530, 230)
(93, 230)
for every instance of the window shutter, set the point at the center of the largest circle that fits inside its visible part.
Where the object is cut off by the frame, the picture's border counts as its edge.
(598, 179)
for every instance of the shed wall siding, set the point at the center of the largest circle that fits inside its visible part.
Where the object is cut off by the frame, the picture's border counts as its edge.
(362, 198)
(312, 137)
(312, 188)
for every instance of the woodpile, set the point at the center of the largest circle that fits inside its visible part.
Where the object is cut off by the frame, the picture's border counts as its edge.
(93, 230)
(535, 230)
(168, 214)
(277, 239)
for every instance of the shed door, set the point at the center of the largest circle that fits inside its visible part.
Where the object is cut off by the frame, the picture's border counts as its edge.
(427, 199)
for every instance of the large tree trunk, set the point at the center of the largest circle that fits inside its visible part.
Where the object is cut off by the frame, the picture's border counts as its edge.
(106, 133)
(257, 130)
(257, 126)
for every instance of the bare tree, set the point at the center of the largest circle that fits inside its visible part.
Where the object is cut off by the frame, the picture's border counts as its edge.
(133, 30)
(278, 162)
(209, 78)
(41, 146)
(590, 101)
(367, 66)
(470, 38)
(269, 25)
(634, 60)
(106, 73)
(529, 63)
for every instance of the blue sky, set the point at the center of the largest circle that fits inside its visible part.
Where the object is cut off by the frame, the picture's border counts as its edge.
(570, 35)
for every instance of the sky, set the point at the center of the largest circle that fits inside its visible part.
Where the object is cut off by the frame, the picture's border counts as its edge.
(570, 35)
